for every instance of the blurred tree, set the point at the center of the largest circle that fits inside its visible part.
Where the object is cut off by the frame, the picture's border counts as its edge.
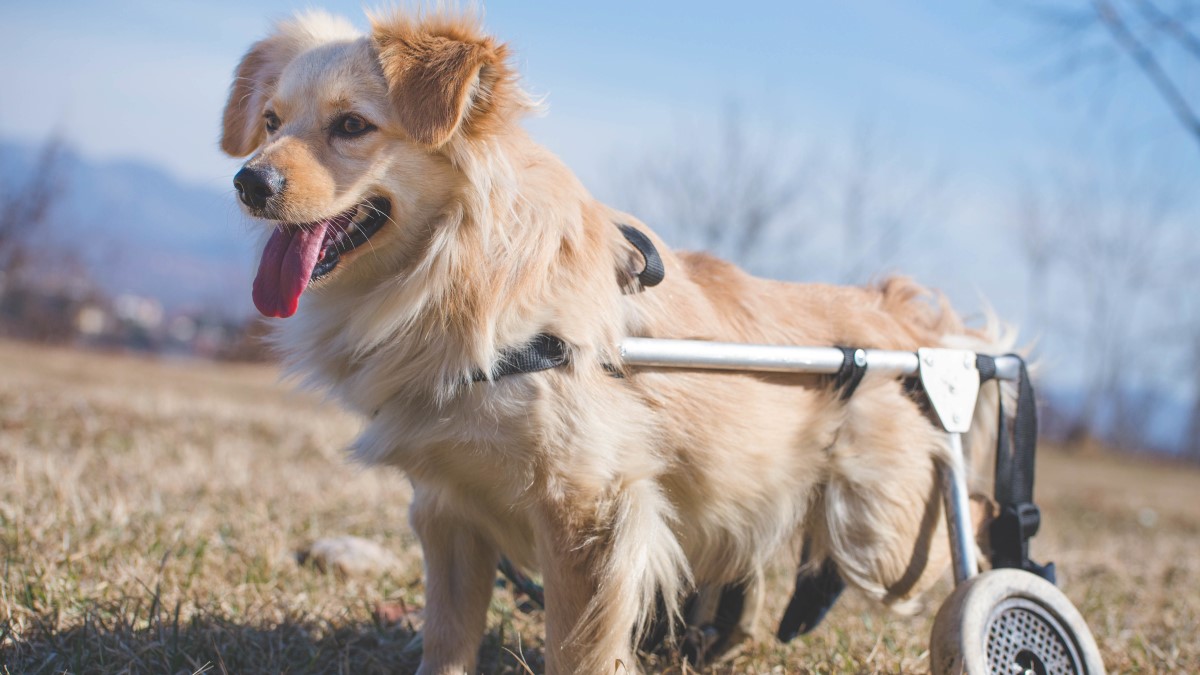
(760, 198)
(1116, 239)
(25, 207)
(881, 199)
(1099, 239)
(1159, 39)
(1039, 241)
(1185, 306)
(42, 288)
(1192, 432)
(727, 194)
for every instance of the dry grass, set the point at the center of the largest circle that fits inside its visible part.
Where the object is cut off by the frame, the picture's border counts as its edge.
(149, 515)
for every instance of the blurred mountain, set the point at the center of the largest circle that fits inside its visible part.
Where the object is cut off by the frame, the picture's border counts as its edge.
(140, 230)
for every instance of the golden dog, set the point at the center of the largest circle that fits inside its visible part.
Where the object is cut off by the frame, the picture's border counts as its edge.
(429, 235)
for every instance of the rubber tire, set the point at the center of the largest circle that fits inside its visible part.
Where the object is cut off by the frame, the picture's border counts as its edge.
(958, 645)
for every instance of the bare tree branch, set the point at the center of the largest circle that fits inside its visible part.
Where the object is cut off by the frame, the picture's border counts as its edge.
(753, 189)
(1150, 66)
(1170, 25)
(730, 196)
(882, 199)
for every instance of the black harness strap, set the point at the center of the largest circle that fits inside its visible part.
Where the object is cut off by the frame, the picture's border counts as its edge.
(547, 351)
(543, 352)
(654, 271)
(1016, 450)
(848, 377)
(524, 585)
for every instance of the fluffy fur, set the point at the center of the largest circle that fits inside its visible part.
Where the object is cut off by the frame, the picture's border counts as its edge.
(617, 490)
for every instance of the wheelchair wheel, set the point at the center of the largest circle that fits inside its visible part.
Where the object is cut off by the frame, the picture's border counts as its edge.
(1011, 622)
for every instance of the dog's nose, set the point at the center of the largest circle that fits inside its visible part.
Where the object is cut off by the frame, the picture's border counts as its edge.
(256, 185)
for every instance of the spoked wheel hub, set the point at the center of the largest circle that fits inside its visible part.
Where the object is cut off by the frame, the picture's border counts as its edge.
(1024, 638)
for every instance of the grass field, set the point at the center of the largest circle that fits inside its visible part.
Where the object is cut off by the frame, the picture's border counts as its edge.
(150, 513)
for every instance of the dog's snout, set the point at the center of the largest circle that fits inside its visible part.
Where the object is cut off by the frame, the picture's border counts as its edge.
(255, 185)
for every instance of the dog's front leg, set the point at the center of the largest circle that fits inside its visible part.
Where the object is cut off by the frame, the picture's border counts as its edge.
(584, 634)
(460, 568)
(603, 562)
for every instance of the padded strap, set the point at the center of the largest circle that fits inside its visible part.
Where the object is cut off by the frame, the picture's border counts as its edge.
(522, 583)
(653, 272)
(1016, 453)
(543, 352)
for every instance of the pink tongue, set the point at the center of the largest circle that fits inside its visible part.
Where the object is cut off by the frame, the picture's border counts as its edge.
(287, 264)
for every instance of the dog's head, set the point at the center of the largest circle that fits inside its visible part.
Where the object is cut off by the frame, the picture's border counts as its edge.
(351, 137)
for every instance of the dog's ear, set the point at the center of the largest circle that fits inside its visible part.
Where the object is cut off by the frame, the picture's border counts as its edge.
(442, 75)
(242, 125)
(256, 76)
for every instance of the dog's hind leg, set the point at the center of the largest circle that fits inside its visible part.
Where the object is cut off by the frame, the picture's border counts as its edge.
(460, 568)
(602, 572)
(726, 617)
(883, 523)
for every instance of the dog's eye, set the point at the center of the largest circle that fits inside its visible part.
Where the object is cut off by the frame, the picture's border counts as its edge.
(351, 125)
(272, 121)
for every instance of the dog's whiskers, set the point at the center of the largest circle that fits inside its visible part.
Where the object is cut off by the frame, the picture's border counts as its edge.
(367, 204)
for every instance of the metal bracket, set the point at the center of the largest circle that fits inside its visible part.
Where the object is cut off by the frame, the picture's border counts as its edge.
(951, 380)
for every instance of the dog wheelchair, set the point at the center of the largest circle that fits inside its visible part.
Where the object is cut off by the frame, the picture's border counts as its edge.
(1009, 620)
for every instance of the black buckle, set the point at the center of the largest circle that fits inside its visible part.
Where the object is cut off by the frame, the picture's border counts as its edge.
(1009, 534)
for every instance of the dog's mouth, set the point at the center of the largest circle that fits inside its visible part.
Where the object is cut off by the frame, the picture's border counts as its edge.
(297, 255)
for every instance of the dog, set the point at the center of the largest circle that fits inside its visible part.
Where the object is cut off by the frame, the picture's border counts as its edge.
(415, 237)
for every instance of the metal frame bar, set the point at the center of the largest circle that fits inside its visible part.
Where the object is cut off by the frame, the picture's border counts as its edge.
(701, 354)
(956, 499)
(705, 355)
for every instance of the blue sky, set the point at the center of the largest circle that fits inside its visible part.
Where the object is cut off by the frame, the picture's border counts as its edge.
(954, 83)
(956, 80)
